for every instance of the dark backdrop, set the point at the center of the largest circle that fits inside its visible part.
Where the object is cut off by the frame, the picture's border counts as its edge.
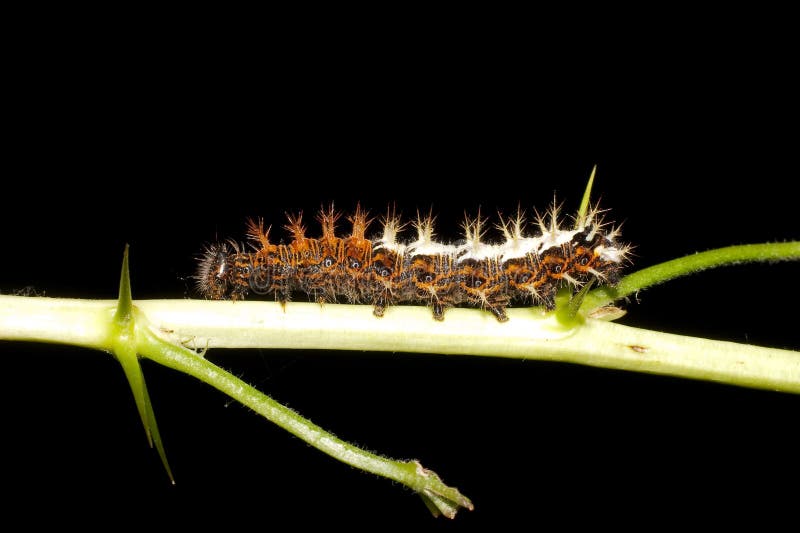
(169, 151)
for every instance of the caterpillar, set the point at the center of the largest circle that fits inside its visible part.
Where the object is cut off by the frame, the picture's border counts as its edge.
(383, 270)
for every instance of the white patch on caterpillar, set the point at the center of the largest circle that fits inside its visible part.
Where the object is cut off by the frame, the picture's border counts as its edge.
(474, 247)
(613, 253)
(425, 244)
(391, 228)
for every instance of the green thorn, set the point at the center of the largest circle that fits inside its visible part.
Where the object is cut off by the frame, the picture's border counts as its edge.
(124, 312)
(580, 220)
(124, 349)
(151, 417)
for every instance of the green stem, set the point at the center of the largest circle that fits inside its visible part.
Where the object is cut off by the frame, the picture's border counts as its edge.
(529, 334)
(654, 275)
(409, 473)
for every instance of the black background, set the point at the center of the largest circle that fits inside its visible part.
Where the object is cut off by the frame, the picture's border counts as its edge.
(169, 147)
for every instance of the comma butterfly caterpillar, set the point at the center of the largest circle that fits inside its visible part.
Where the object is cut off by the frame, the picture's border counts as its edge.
(384, 270)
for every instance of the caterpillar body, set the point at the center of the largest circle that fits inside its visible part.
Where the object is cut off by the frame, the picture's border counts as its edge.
(524, 269)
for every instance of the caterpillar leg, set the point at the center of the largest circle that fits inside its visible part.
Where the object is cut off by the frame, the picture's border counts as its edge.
(499, 312)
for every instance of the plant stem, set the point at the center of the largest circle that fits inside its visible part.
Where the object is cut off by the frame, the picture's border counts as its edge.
(691, 264)
(528, 334)
(409, 473)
